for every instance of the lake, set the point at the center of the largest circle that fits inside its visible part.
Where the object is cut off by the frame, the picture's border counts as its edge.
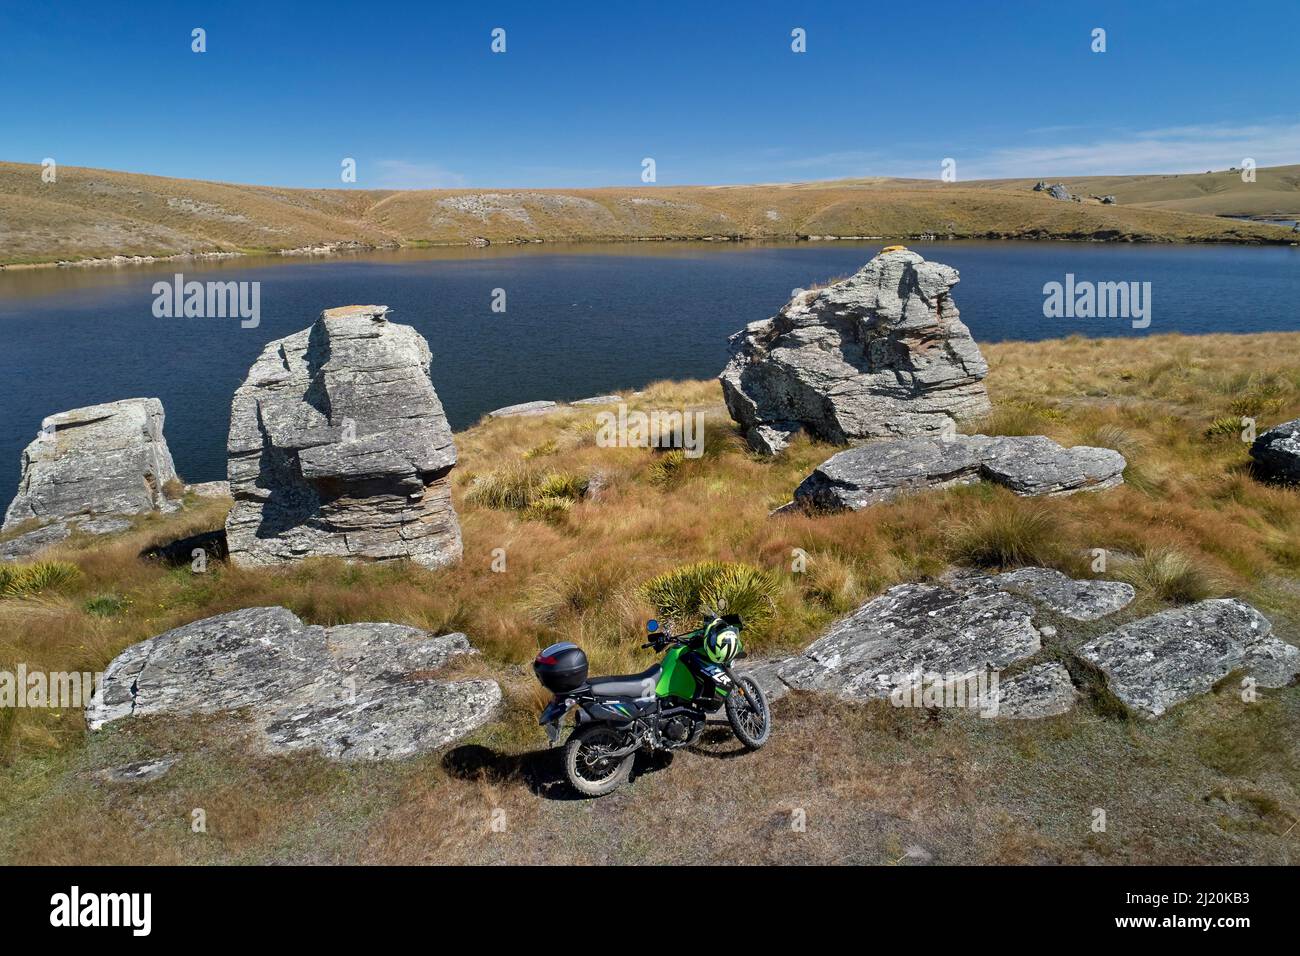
(580, 320)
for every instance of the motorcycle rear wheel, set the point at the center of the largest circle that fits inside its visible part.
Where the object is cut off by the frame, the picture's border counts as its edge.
(587, 768)
(748, 713)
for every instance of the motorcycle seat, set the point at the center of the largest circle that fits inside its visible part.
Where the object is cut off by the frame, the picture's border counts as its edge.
(627, 685)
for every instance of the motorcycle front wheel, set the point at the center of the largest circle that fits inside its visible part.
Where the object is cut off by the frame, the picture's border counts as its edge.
(587, 764)
(748, 713)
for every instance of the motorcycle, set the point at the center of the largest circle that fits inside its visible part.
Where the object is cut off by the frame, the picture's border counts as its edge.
(663, 708)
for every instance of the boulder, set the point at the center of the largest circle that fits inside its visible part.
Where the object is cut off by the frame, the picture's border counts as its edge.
(1044, 690)
(524, 409)
(1167, 658)
(90, 467)
(965, 627)
(339, 446)
(1277, 452)
(910, 631)
(349, 692)
(1029, 465)
(1058, 191)
(209, 489)
(599, 400)
(1079, 600)
(882, 354)
(33, 542)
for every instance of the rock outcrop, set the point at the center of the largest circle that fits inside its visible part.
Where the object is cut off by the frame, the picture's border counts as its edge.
(1277, 452)
(912, 630)
(89, 469)
(1044, 690)
(1079, 600)
(351, 692)
(1167, 658)
(525, 409)
(1029, 465)
(966, 628)
(339, 446)
(881, 354)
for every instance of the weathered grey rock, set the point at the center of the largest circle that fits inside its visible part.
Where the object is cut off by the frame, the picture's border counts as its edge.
(139, 771)
(1079, 600)
(910, 631)
(524, 409)
(1044, 690)
(1108, 200)
(351, 692)
(1277, 452)
(882, 471)
(1039, 186)
(33, 542)
(90, 463)
(767, 674)
(599, 400)
(1167, 658)
(1058, 191)
(209, 489)
(881, 354)
(339, 446)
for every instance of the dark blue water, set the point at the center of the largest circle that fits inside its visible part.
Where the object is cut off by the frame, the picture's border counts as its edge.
(579, 320)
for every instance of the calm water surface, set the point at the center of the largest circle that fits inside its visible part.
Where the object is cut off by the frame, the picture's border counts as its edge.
(580, 320)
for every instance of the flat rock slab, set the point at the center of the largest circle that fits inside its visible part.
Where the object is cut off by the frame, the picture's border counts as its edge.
(909, 632)
(599, 400)
(1167, 658)
(350, 692)
(1044, 690)
(959, 629)
(882, 354)
(210, 489)
(96, 462)
(1079, 600)
(524, 409)
(33, 542)
(883, 471)
(339, 447)
(139, 771)
(1277, 452)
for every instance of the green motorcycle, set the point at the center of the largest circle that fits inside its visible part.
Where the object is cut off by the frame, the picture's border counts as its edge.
(662, 708)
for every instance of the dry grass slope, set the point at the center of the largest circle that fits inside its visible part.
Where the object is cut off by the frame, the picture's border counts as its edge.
(1212, 782)
(90, 213)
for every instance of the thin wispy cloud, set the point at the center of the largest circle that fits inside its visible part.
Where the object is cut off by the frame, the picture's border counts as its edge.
(402, 174)
(1047, 152)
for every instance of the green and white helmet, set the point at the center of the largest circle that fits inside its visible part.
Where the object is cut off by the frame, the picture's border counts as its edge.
(721, 641)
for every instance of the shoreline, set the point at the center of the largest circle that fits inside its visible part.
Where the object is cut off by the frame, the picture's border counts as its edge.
(339, 249)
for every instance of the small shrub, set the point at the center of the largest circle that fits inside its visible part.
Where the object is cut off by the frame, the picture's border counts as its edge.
(683, 594)
(548, 508)
(21, 580)
(668, 467)
(1168, 574)
(1226, 427)
(173, 489)
(522, 489)
(107, 605)
(1008, 533)
(542, 450)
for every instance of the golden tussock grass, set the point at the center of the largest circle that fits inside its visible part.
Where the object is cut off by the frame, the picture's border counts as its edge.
(1191, 521)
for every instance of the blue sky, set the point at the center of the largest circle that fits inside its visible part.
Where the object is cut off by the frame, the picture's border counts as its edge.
(711, 91)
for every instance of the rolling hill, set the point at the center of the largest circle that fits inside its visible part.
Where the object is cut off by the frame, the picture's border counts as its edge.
(90, 213)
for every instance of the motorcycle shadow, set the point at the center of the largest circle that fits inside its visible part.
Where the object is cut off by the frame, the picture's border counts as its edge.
(716, 735)
(541, 771)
